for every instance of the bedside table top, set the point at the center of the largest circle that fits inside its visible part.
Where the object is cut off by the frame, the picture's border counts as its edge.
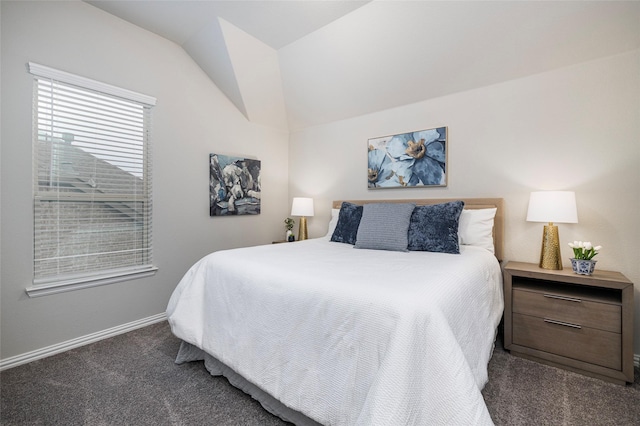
(610, 279)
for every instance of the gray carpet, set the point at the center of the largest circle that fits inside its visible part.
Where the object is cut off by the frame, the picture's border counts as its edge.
(131, 380)
(523, 392)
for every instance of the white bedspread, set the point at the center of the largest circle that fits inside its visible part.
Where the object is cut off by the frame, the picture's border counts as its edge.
(349, 336)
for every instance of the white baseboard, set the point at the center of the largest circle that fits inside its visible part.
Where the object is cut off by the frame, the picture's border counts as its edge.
(25, 358)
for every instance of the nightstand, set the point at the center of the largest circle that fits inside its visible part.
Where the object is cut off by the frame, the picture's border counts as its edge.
(576, 322)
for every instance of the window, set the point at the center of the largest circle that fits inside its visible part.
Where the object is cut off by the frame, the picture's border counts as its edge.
(92, 183)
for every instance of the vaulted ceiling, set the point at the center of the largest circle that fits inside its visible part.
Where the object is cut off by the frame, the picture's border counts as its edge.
(295, 64)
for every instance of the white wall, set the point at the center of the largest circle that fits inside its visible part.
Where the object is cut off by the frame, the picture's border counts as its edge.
(576, 128)
(192, 119)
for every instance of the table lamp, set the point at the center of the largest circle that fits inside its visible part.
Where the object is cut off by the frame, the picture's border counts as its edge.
(302, 207)
(552, 207)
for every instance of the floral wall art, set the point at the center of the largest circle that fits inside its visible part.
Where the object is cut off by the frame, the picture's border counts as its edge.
(413, 159)
(234, 185)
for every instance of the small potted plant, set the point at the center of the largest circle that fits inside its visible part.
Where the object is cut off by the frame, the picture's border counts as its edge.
(582, 261)
(288, 224)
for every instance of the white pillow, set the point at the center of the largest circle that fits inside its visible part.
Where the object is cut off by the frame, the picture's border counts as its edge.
(332, 223)
(476, 226)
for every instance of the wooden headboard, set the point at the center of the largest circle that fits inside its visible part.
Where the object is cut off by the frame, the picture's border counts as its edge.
(469, 203)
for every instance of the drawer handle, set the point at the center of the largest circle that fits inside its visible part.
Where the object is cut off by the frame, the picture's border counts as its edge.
(569, 299)
(566, 324)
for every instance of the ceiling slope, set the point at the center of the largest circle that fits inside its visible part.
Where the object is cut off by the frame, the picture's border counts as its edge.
(341, 59)
(257, 73)
(208, 49)
(234, 42)
(388, 54)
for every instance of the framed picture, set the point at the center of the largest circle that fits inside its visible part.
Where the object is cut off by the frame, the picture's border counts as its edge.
(234, 185)
(415, 159)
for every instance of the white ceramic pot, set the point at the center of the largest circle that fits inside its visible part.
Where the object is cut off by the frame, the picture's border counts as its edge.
(583, 267)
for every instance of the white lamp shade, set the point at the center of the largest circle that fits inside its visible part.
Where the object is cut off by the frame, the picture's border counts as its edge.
(552, 206)
(302, 206)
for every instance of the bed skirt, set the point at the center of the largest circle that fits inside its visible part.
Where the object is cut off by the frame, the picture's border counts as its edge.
(188, 353)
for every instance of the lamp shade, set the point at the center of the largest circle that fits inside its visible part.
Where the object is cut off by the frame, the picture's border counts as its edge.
(302, 206)
(552, 207)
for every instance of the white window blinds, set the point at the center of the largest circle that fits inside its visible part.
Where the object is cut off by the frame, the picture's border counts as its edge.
(92, 180)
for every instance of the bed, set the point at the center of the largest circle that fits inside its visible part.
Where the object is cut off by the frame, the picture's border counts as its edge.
(332, 333)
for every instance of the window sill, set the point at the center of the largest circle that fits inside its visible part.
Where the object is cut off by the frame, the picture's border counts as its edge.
(87, 282)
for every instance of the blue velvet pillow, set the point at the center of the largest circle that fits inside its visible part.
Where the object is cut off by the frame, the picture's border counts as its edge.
(348, 223)
(384, 226)
(435, 228)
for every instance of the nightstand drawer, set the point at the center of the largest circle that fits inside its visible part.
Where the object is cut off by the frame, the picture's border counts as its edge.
(577, 342)
(567, 307)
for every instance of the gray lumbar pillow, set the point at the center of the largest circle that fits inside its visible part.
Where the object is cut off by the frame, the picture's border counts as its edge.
(384, 226)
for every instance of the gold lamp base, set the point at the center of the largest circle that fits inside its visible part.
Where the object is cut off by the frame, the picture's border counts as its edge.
(550, 252)
(302, 229)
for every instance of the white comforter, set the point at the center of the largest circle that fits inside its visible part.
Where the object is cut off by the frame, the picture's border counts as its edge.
(349, 336)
